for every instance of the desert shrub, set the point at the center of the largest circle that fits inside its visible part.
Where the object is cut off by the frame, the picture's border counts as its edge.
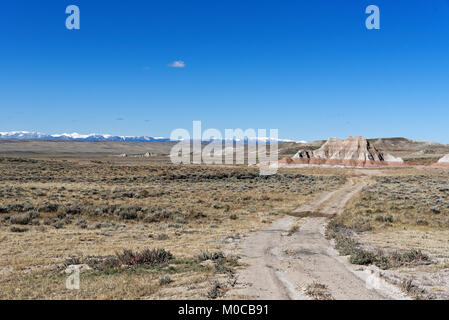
(148, 257)
(103, 263)
(361, 226)
(362, 257)
(216, 291)
(412, 256)
(48, 207)
(3, 209)
(20, 207)
(128, 215)
(198, 215)
(205, 255)
(345, 245)
(422, 222)
(384, 218)
(435, 210)
(104, 225)
(382, 262)
(21, 219)
(57, 224)
(155, 214)
(126, 212)
(413, 290)
(72, 260)
(100, 211)
(25, 218)
(220, 266)
(73, 209)
(18, 229)
(318, 291)
(149, 219)
(180, 220)
(165, 280)
(67, 220)
(333, 228)
(164, 214)
(162, 236)
(221, 262)
(127, 194)
(81, 222)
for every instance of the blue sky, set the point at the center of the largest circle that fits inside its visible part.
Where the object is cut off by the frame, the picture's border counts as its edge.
(308, 68)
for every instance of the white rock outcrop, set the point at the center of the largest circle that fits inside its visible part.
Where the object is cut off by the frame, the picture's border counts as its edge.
(445, 159)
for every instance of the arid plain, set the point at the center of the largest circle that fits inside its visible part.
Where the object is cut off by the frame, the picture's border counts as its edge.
(142, 228)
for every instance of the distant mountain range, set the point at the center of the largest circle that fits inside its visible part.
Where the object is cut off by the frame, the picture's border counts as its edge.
(25, 135)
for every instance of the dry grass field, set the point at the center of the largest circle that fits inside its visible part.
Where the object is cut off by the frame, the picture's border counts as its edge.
(147, 229)
(406, 198)
(400, 223)
(140, 229)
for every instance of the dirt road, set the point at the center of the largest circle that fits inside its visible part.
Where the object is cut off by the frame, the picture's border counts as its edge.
(282, 262)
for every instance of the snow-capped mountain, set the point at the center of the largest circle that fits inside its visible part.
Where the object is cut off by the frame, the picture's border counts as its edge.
(26, 135)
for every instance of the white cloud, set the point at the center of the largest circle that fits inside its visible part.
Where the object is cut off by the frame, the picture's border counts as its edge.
(177, 64)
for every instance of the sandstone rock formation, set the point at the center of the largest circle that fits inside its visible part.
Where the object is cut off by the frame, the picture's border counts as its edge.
(445, 159)
(443, 162)
(350, 152)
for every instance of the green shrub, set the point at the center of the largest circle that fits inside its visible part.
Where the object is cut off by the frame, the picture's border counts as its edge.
(345, 245)
(362, 257)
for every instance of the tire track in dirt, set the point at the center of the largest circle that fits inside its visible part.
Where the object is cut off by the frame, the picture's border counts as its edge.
(280, 266)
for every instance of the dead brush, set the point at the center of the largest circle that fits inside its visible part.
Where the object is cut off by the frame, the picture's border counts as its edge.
(18, 229)
(216, 291)
(103, 263)
(413, 290)
(24, 218)
(412, 257)
(206, 255)
(318, 291)
(165, 280)
(147, 257)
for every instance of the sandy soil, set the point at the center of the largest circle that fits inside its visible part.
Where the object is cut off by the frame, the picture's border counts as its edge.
(283, 263)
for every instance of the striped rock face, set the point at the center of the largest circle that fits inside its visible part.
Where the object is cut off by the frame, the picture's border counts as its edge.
(443, 162)
(350, 152)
